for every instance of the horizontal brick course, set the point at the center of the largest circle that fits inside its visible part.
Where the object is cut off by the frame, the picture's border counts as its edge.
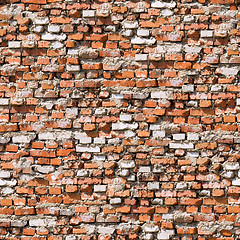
(119, 120)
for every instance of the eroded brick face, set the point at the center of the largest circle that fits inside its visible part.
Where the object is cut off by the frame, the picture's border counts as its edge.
(119, 120)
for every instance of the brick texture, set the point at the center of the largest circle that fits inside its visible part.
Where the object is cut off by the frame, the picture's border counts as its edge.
(119, 120)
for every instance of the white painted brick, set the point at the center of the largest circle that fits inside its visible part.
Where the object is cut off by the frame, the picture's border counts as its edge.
(181, 145)
(144, 169)
(87, 149)
(114, 141)
(162, 95)
(41, 20)
(140, 95)
(99, 158)
(79, 135)
(82, 173)
(61, 37)
(232, 166)
(167, 13)
(143, 32)
(21, 139)
(72, 111)
(7, 190)
(70, 238)
(130, 24)
(216, 88)
(162, 49)
(150, 41)
(115, 201)
(141, 57)
(160, 134)
(100, 188)
(99, 140)
(37, 222)
(236, 140)
(88, 13)
(211, 59)
(192, 104)
(4, 101)
(38, 29)
(45, 169)
(110, 28)
(148, 236)
(129, 134)
(153, 185)
(179, 136)
(192, 49)
(181, 186)
(205, 193)
(188, 88)
(72, 52)
(127, 164)
(54, 28)
(236, 182)
(124, 173)
(174, 48)
(227, 71)
(165, 234)
(159, 4)
(14, 44)
(140, 7)
(85, 140)
(139, 40)
(57, 45)
(155, 126)
(131, 178)
(127, 33)
(206, 33)
(100, 111)
(18, 223)
(126, 117)
(157, 201)
(4, 139)
(228, 175)
(192, 136)
(73, 68)
(106, 230)
(188, 19)
(48, 105)
(63, 135)
(50, 68)
(117, 96)
(123, 126)
(5, 174)
(150, 228)
(193, 154)
(167, 216)
(8, 183)
(48, 36)
(46, 136)
(66, 212)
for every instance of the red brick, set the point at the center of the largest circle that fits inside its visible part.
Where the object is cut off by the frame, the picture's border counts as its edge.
(34, 1)
(47, 107)
(182, 65)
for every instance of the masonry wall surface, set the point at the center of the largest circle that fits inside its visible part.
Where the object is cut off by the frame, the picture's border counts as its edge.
(119, 120)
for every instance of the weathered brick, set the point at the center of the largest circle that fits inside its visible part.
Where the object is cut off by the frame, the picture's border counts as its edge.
(122, 113)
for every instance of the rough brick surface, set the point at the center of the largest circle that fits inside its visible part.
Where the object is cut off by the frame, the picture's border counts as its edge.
(119, 120)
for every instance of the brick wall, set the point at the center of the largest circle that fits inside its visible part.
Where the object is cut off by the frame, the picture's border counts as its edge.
(119, 120)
